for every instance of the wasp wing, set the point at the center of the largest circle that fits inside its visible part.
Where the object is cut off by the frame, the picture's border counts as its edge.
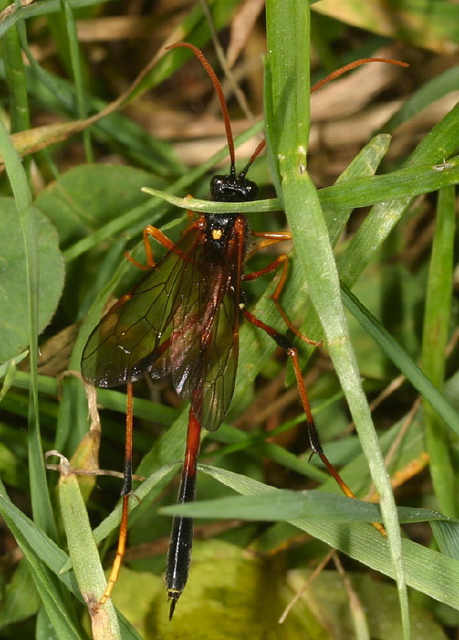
(181, 319)
(204, 344)
(204, 352)
(129, 338)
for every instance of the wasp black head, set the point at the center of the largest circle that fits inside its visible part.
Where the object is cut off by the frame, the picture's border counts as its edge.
(232, 188)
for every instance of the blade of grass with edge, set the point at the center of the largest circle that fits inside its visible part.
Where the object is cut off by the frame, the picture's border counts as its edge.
(41, 504)
(434, 343)
(427, 570)
(44, 558)
(287, 112)
(401, 359)
(84, 554)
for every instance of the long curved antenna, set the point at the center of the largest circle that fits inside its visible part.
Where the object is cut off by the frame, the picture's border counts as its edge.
(353, 65)
(221, 98)
(254, 155)
(318, 85)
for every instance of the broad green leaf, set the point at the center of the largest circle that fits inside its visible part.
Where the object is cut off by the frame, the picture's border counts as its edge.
(86, 198)
(13, 287)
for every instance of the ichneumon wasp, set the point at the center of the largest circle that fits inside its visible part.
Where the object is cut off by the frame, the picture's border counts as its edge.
(182, 320)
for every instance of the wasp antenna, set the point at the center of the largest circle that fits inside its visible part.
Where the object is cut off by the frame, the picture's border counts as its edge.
(254, 155)
(221, 98)
(353, 65)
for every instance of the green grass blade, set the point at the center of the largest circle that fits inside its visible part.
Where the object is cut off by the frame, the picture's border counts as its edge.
(279, 505)
(434, 344)
(289, 102)
(84, 555)
(40, 9)
(44, 559)
(427, 571)
(23, 198)
(351, 191)
(75, 61)
(438, 145)
(15, 78)
(401, 359)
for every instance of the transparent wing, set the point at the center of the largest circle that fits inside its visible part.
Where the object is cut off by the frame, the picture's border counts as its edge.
(182, 319)
(221, 358)
(204, 357)
(204, 344)
(135, 331)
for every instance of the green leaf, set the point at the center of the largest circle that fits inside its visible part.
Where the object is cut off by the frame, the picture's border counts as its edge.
(84, 555)
(351, 193)
(278, 505)
(426, 570)
(44, 558)
(435, 343)
(88, 197)
(401, 359)
(13, 287)
(447, 537)
(21, 597)
(227, 596)
(288, 104)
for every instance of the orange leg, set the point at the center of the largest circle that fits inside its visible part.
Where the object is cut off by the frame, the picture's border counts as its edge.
(158, 235)
(314, 441)
(125, 493)
(280, 261)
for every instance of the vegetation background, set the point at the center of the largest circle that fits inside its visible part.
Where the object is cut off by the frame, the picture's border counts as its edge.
(93, 110)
